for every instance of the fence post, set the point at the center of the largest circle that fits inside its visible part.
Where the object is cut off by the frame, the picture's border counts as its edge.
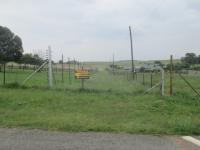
(163, 82)
(171, 72)
(136, 75)
(11, 67)
(69, 71)
(62, 70)
(74, 64)
(143, 79)
(50, 68)
(132, 59)
(4, 73)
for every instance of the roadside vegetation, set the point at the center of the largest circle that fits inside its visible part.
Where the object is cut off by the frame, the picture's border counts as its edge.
(109, 103)
(99, 111)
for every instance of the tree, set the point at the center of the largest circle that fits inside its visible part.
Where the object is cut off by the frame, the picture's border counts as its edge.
(31, 59)
(27, 59)
(198, 59)
(10, 46)
(190, 58)
(159, 63)
(60, 61)
(37, 60)
(178, 66)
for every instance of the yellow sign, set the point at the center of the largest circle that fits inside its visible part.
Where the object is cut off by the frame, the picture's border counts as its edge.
(82, 74)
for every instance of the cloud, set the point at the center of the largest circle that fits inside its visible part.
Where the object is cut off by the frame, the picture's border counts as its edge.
(94, 29)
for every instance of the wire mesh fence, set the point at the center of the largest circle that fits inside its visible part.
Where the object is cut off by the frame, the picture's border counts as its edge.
(104, 80)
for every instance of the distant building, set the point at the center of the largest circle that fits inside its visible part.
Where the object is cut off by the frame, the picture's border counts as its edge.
(151, 67)
(129, 69)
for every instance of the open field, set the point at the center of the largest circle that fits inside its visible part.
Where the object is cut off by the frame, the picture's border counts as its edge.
(126, 63)
(102, 81)
(101, 65)
(109, 103)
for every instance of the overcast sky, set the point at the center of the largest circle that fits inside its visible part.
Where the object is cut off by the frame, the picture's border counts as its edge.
(92, 30)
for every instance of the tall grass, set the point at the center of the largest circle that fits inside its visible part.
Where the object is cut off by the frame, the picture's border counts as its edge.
(111, 103)
(99, 111)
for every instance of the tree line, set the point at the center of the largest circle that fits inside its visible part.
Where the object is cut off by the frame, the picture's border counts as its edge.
(190, 61)
(11, 49)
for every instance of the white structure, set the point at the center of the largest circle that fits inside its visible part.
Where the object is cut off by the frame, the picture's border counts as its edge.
(162, 81)
(50, 68)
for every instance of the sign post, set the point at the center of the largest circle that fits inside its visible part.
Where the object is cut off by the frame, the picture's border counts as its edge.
(82, 83)
(82, 74)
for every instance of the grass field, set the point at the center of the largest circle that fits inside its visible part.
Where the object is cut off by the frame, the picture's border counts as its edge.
(109, 103)
(126, 63)
(102, 81)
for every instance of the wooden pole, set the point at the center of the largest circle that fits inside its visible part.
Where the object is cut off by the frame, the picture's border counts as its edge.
(74, 64)
(143, 79)
(171, 76)
(82, 80)
(163, 82)
(78, 65)
(132, 60)
(136, 75)
(11, 67)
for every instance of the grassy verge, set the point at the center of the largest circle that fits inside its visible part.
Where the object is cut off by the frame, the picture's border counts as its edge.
(99, 111)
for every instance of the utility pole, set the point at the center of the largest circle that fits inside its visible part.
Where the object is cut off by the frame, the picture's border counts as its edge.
(132, 60)
(50, 68)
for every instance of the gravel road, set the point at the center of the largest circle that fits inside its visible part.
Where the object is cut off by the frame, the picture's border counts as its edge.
(22, 139)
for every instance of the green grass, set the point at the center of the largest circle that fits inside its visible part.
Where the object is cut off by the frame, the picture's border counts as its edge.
(126, 63)
(102, 81)
(99, 111)
(110, 103)
(102, 65)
